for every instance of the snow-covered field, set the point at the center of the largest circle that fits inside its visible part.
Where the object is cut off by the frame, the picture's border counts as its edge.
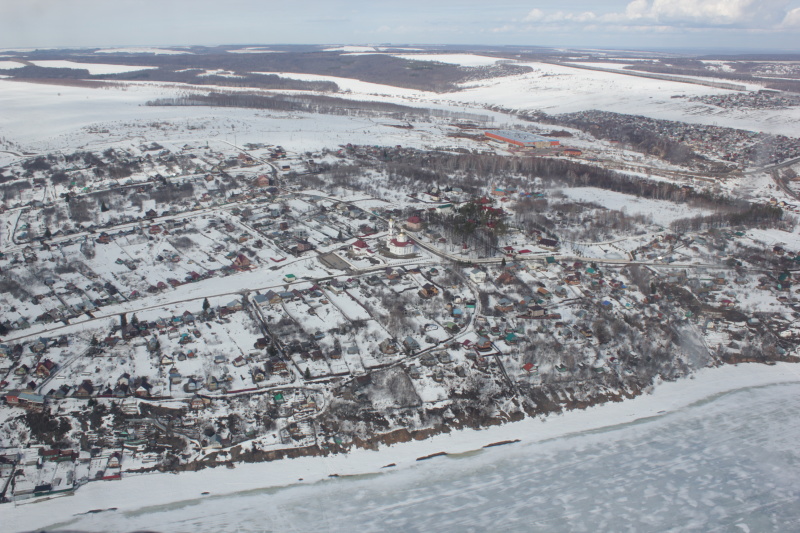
(355, 86)
(141, 50)
(254, 50)
(350, 49)
(662, 211)
(464, 60)
(73, 117)
(562, 89)
(713, 453)
(93, 68)
(775, 237)
(61, 110)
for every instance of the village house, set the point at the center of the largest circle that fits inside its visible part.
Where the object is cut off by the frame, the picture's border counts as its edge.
(360, 248)
(410, 344)
(414, 223)
(241, 262)
(483, 344)
(25, 399)
(197, 403)
(45, 368)
(234, 306)
(388, 347)
(505, 278)
(84, 390)
(504, 305)
(428, 291)
(477, 276)
(536, 311)
(548, 244)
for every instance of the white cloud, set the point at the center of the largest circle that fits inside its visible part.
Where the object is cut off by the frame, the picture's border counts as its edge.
(537, 15)
(683, 13)
(708, 12)
(534, 16)
(637, 9)
(507, 28)
(792, 19)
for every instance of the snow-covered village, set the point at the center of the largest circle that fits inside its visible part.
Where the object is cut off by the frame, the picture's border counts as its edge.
(199, 274)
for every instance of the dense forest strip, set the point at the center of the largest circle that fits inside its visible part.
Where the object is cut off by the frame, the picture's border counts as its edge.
(428, 168)
(383, 68)
(309, 103)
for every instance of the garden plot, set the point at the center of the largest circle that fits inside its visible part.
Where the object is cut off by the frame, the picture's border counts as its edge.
(316, 368)
(360, 262)
(314, 320)
(314, 235)
(348, 306)
(16, 298)
(429, 390)
(367, 342)
(159, 259)
(345, 365)
(215, 245)
(126, 357)
(194, 255)
(751, 299)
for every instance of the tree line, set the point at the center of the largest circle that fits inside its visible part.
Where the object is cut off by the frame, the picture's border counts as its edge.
(310, 103)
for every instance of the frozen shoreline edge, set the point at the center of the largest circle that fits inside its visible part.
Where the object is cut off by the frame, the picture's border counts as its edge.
(153, 490)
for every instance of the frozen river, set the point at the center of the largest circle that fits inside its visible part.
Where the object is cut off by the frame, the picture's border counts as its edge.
(728, 463)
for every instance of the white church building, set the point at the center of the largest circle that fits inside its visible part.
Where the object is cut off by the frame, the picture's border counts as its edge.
(399, 245)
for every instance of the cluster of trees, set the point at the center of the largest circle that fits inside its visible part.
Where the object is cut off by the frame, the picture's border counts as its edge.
(309, 103)
(384, 69)
(172, 193)
(478, 228)
(12, 190)
(745, 215)
(36, 163)
(34, 72)
(245, 79)
(81, 210)
(46, 428)
(636, 134)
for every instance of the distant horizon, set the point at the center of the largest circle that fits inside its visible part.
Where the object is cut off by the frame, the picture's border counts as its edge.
(750, 25)
(685, 50)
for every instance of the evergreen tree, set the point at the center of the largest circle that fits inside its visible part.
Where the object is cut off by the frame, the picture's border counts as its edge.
(123, 320)
(206, 305)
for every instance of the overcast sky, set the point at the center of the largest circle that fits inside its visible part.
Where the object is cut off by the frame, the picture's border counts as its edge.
(730, 24)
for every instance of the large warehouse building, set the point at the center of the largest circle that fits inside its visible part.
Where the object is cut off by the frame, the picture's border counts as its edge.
(522, 138)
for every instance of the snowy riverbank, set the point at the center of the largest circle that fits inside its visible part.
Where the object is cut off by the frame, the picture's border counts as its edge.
(139, 493)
